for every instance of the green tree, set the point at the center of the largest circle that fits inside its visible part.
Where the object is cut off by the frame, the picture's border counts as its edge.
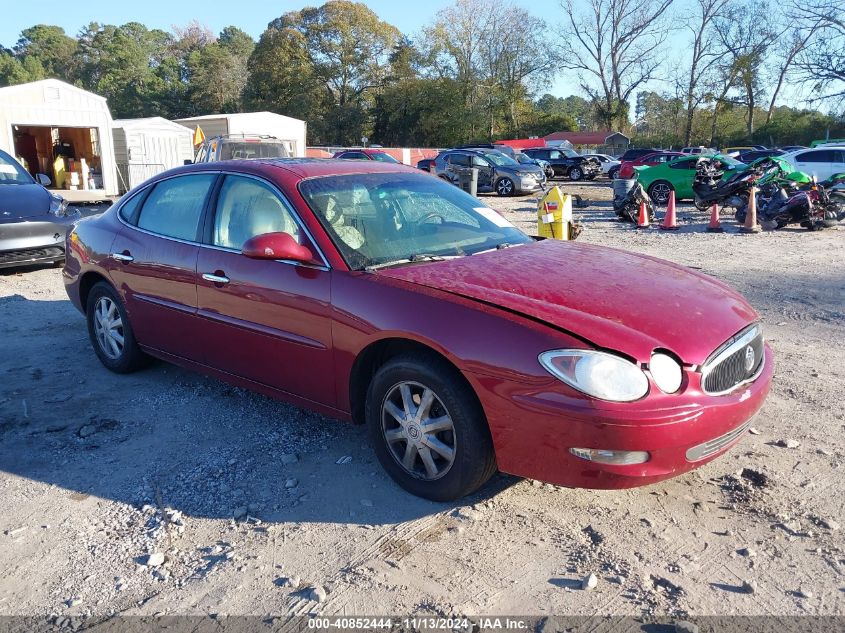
(343, 49)
(134, 69)
(49, 48)
(217, 72)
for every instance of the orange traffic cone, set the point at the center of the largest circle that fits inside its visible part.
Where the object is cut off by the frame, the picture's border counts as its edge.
(715, 226)
(642, 221)
(670, 221)
(751, 225)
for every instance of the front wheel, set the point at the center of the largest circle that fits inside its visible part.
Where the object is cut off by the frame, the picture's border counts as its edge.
(575, 173)
(110, 332)
(428, 429)
(505, 187)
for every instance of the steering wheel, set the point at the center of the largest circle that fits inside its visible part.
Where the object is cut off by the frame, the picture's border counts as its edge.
(429, 216)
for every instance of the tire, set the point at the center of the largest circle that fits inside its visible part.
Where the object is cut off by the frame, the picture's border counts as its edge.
(659, 192)
(613, 174)
(104, 302)
(550, 173)
(473, 460)
(575, 173)
(505, 187)
(702, 206)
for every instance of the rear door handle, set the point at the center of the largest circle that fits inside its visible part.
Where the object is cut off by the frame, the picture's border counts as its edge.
(123, 257)
(215, 279)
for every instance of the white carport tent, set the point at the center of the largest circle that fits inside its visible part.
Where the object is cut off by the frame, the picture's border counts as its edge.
(284, 128)
(51, 110)
(146, 147)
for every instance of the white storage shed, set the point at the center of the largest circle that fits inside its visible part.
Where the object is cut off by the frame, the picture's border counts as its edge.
(146, 147)
(64, 132)
(282, 127)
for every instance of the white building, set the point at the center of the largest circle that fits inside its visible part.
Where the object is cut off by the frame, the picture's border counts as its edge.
(64, 132)
(146, 147)
(282, 127)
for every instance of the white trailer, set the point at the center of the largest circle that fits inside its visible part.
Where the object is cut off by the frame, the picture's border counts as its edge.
(146, 147)
(284, 128)
(62, 131)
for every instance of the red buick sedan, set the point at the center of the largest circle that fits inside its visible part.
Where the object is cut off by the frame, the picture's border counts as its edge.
(376, 293)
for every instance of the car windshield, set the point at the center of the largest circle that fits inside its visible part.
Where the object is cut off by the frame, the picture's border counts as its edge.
(385, 158)
(524, 159)
(376, 219)
(499, 159)
(11, 172)
(247, 150)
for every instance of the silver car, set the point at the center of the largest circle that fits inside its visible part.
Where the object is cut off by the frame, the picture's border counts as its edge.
(496, 171)
(33, 221)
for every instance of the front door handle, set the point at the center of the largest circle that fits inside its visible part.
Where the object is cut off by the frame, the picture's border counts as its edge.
(215, 279)
(124, 257)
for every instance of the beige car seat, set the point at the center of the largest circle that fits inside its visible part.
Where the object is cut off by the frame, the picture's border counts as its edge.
(249, 210)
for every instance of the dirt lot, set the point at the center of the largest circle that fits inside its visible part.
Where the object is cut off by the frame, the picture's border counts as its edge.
(101, 473)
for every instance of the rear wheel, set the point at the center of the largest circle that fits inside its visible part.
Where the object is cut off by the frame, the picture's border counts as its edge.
(613, 174)
(427, 428)
(659, 192)
(110, 331)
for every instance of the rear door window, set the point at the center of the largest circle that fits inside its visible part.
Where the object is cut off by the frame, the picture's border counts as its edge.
(462, 160)
(174, 206)
(817, 156)
(129, 211)
(685, 164)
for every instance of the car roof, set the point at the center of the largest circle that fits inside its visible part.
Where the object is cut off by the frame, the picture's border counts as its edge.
(300, 167)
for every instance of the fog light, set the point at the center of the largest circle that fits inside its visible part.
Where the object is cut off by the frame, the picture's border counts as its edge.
(617, 458)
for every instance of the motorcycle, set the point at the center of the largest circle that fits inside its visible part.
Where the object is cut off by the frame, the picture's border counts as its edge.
(709, 187)
(813, 208)
(628, 207)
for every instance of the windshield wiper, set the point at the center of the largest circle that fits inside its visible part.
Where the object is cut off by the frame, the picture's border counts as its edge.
(498, 247)
(416, 257)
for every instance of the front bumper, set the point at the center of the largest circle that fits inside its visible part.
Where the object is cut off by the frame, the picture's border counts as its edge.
(533, 431)
(529, 185)
(28, 242)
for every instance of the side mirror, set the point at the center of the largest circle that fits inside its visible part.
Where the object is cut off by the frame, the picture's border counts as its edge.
(43, 180)
(276, 246)
(187, 161)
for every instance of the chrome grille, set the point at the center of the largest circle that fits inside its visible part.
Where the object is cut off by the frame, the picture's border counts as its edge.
(739, 360)
(715, 445)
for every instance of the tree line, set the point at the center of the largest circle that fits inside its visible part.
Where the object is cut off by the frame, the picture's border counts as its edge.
(481, 70)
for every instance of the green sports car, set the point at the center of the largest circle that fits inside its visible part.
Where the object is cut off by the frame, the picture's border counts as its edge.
(677, 175)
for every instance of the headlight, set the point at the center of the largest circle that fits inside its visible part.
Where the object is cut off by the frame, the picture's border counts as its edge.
(58, 206)
(666, 372)
(597, 374)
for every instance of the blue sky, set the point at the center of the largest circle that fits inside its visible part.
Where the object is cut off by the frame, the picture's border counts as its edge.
(253, 16)
(250, 15)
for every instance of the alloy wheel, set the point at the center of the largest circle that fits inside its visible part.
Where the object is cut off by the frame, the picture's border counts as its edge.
(108, 328)
(660, 192)
(575, 173)
(504, 187)
(419, 431)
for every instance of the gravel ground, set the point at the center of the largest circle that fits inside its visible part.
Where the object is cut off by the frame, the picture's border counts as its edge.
(165, 492)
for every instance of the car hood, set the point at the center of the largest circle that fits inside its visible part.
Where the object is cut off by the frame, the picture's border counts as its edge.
(23, 201)
(524, 167)
(613, 299)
